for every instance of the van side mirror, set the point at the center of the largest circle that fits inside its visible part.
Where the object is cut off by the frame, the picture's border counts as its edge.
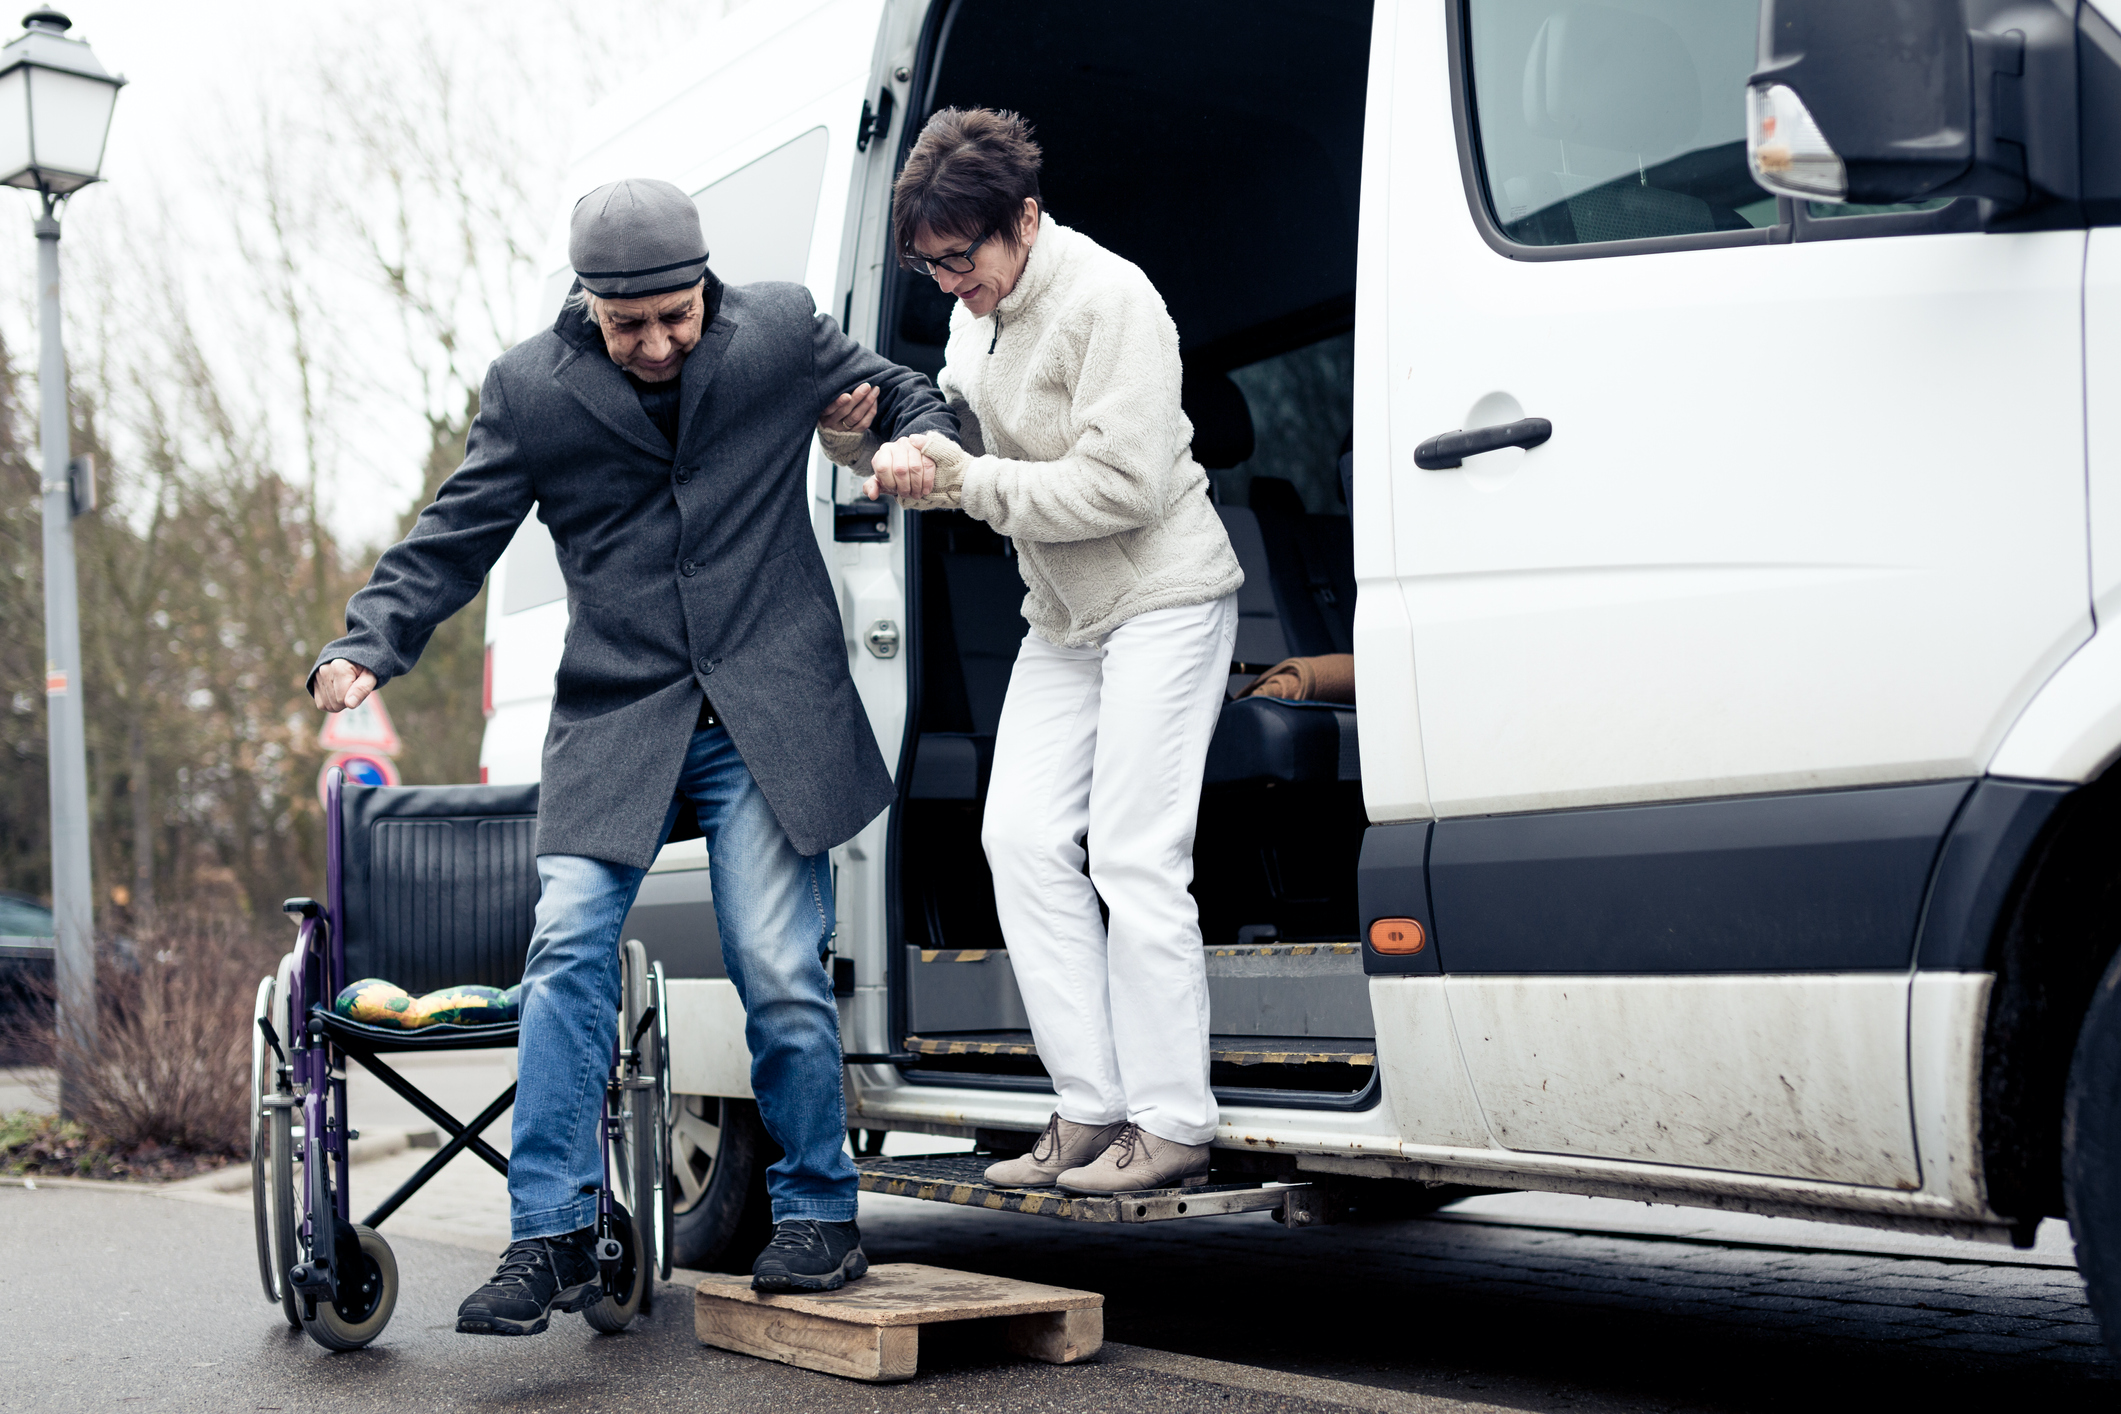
(1891, 101)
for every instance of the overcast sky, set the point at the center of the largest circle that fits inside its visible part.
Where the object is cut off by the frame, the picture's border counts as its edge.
(211, 88)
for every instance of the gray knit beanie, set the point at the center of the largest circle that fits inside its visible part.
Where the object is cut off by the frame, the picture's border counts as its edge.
(636, 237)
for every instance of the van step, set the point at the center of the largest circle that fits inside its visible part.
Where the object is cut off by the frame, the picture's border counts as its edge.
(1223, 1050)
(1327, 959)
(960, 1179)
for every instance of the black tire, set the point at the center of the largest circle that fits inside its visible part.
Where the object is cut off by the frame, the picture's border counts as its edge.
(721, 1217)
(377, 1296)
(635, 1279)
(2091, 1153)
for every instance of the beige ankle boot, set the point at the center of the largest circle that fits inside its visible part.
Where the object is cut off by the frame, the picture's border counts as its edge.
(1064, 1145)
(1138, 1160)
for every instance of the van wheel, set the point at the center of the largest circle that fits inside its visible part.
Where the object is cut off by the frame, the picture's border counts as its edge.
(718, 1153)
(2091, 1153)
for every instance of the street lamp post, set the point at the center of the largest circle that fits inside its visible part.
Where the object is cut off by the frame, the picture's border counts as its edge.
(55, 107)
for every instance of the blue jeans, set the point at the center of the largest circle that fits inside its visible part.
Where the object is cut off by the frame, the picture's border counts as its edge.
(775, 911)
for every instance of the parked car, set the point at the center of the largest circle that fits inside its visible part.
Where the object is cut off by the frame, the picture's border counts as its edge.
(1728, 815)
(25, 972)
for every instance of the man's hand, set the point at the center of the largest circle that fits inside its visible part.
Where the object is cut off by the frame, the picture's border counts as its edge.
(901, 470)
(341, 685)
(850, 412)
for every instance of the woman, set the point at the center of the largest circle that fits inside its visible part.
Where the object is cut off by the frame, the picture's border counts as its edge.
(1062, 367)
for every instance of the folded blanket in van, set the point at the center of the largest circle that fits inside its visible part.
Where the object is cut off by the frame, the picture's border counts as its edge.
(1327, 678)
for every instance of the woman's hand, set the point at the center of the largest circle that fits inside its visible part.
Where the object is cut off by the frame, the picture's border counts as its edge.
(901, 470)
(850, 412)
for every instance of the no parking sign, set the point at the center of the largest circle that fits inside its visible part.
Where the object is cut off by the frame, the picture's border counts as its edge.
(362, 768)
(361, 741)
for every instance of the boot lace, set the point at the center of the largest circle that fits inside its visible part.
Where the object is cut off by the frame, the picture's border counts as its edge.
(796, 1235)
(520, 1263)
(1048, 1143)
(1128, 1144)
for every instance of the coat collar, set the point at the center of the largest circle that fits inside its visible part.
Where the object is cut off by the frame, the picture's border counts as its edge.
(593, 380)
(1048, 254)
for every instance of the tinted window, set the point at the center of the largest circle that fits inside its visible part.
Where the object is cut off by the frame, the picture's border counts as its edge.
(1613, 122)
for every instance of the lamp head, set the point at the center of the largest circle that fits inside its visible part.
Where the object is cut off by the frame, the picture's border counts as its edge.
(55, 106)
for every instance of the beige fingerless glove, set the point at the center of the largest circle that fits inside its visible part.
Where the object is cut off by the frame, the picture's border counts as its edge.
(849, 448)
(950, 460)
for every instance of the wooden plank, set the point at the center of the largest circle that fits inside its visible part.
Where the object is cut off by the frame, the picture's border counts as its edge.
(1058, 1337)
(908, 1294)
(878, 1354)
(869, 1329)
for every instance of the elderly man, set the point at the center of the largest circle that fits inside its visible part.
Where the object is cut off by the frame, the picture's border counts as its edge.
(661, 429)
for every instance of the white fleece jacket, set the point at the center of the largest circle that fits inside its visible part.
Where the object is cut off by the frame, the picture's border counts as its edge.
(1074, 444)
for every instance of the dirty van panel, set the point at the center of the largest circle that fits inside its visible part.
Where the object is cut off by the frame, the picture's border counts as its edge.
(1236, 192)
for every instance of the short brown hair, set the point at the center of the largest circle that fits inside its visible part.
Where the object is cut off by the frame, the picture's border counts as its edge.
(967, 176)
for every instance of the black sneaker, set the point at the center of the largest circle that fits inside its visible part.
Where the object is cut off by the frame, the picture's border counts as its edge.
(807, 1255)
(537, 1276)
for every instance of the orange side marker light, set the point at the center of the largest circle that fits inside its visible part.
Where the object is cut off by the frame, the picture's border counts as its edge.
(1399, 936)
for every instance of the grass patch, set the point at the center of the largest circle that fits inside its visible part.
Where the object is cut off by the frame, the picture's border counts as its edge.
(36, 1145)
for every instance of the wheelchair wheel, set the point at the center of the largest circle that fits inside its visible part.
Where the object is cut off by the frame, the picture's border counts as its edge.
(286, 1219)
(261, 1087)
(664, 1191)
(635, 1279)
(637, 1159)
(369, 1309)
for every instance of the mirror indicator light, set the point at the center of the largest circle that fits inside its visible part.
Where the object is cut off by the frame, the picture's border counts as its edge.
(1787, 152)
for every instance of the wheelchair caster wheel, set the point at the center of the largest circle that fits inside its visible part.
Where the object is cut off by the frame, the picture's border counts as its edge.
(368, 1309)
(614, 1312)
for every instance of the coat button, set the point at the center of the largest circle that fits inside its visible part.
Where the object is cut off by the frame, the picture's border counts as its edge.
(684, 475)
(689, 568)
(706, 668)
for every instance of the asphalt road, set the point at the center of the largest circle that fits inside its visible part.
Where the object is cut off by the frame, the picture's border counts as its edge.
(124, 1300)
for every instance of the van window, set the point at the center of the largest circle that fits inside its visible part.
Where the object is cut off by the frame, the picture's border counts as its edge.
(1614, 122)
(758, 219)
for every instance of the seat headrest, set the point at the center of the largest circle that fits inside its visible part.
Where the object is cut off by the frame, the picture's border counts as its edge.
(1611, 79)
(1222, 420)
(1276, 496)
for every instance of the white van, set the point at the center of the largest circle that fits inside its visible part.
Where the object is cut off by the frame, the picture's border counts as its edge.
(1726, 818)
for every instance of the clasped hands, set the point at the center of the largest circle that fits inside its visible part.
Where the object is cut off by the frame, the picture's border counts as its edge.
(901, 469)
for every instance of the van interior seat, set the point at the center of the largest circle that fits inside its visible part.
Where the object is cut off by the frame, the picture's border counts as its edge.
(1298, 599)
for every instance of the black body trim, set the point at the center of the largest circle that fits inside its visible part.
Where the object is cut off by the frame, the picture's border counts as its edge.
(1830, 881)
(1392, 881)
(1363, 1099)
(1991, 841)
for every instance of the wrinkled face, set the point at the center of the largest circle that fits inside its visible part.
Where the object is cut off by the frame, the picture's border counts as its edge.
(650, 337)
(996, 266)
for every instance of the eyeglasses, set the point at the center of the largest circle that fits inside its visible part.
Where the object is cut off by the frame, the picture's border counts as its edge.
(957, 262)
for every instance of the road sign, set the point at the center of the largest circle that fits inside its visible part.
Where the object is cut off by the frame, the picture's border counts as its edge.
(362, 768)
(363, 728)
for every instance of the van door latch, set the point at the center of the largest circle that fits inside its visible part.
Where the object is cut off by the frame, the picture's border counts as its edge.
(876, 122)
(882, 638)
(1449, 449)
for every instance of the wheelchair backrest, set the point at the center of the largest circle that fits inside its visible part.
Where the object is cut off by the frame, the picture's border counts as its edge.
(436, 884)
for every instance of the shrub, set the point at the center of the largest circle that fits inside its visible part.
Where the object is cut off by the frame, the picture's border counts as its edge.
(169, 1066)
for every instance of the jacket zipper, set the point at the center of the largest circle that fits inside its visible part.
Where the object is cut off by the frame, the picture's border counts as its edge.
(997, 333)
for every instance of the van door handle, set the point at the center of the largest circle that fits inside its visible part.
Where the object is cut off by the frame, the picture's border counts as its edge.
(1449, 449)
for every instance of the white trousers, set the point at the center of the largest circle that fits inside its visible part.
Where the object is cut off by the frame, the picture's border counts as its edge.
(1108, 744)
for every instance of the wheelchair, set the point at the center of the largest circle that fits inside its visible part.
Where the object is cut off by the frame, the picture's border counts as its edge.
(428, 887)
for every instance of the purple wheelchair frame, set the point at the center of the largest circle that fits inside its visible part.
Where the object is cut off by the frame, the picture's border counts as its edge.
(316, 1063)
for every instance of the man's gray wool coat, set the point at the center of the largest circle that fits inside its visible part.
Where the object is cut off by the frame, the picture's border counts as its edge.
(686, 572)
